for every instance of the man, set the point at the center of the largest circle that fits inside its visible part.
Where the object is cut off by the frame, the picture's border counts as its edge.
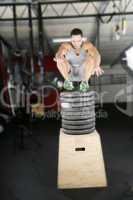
(78, 60)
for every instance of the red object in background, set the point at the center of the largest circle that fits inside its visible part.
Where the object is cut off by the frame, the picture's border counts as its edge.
(50, 64)
(37, 68)
(51, 100)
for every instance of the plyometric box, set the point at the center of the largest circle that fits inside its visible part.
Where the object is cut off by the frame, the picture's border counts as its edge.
(80, 161)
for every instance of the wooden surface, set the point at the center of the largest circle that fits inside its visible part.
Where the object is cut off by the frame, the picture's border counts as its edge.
(80, 161)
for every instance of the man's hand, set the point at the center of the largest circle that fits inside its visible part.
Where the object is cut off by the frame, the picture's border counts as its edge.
(98, 71)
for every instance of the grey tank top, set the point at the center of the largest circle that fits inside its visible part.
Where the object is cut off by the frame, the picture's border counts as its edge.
(76, 61)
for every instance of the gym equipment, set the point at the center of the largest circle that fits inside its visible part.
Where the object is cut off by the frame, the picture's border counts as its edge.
(80, 162)
(70, 122)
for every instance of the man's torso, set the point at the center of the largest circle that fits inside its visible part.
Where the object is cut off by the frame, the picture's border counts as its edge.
(76, 61)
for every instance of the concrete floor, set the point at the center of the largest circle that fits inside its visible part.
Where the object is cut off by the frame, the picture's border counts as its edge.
(31, 173)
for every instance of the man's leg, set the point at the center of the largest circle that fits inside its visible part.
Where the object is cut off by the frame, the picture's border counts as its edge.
(88, 68)
(86, 72)
(64, 68)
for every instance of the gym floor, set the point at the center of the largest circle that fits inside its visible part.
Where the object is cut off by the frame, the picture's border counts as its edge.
(31, 173)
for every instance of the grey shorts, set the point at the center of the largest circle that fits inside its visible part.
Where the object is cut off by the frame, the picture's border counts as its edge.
(77, 73)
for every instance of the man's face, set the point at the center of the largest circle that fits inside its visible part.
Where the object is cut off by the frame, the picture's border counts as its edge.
(76, 41)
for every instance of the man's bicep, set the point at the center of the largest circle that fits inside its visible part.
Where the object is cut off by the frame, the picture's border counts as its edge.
(91, 49)
(93, 52)
(62, 51)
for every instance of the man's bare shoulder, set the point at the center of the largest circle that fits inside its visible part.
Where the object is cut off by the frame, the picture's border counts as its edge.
(66, 45)
(63, 49)
(87, 45)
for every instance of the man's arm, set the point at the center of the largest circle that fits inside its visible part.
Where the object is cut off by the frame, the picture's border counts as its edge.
(62, 50)
(93, 53)
(92, 61)
(62, 63)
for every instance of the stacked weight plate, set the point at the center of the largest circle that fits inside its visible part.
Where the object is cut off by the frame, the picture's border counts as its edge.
(78, 112)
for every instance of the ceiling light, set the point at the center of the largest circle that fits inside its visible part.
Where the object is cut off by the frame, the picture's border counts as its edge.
(59, 40)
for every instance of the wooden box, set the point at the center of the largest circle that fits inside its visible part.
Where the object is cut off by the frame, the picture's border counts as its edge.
(80, 161)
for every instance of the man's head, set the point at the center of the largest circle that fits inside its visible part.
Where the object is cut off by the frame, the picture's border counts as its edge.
(76, 37)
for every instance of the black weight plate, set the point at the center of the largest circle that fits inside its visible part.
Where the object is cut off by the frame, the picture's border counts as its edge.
(77, 100)
(77, 105)
(76, 113)
(81, 127)
(77, 94)
(77, 117)
(89, 115)
(85, 110)
(78, 122)
(78, 132)
(81, 109)
(80, 117)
